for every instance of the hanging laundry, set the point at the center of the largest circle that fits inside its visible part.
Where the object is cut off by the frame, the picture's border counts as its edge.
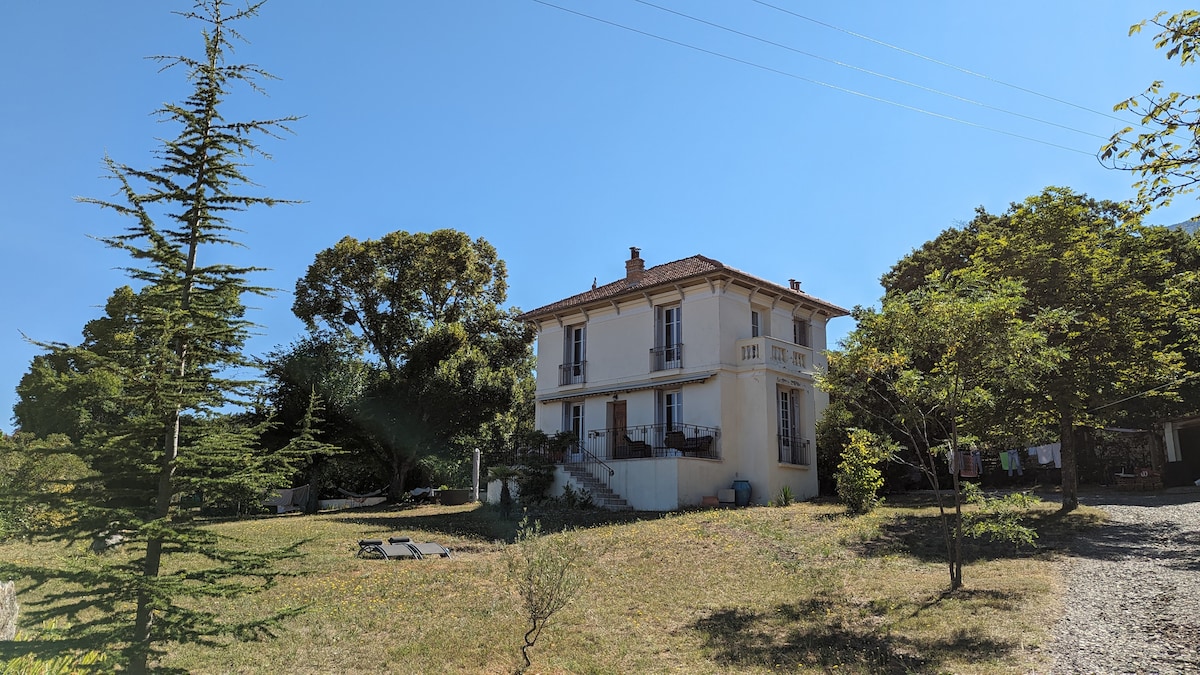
(1004, 462)
(968, 465)
(1056, 454)
(1014, 461)
(1045, 454)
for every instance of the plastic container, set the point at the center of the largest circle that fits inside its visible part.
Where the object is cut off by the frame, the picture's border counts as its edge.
(741, 492)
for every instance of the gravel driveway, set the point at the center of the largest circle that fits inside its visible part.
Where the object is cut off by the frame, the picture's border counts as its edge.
(1132, 591)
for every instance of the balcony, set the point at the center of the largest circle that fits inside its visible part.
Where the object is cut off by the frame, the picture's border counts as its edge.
(775, 353)
(655, 440)
(667, 357)
(572, 373)
(793, 450)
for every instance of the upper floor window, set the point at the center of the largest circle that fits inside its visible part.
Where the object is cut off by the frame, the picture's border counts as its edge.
(800, 332)
(574, 366)
(668, 338)
(755, 323)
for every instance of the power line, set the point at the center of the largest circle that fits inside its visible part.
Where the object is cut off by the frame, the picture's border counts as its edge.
(812, 81)
(940, 63)
(870, 72)
(1148, 391)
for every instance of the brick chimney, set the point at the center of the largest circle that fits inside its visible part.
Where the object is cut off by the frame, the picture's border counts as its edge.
(635, 267)
(794, 285)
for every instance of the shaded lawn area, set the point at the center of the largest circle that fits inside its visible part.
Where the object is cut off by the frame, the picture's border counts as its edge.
(803, 588)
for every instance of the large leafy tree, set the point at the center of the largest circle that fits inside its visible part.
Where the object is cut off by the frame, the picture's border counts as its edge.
(926, 369)
(428, 308)
(1077, 254)
(68, 391)
(1164, 151)
(180, 372)
(1127, 297)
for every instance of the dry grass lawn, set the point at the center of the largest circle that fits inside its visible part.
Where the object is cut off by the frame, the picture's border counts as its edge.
(798, 589)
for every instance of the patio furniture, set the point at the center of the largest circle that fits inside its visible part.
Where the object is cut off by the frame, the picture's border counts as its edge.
(375, 548)
(399, 547)
(631, 448)
(696, 445)
(421, 549)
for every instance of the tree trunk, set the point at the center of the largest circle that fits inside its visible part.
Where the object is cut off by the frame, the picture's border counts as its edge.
(400, 469)
(1070, 472)
(142, 636)
(956, 557)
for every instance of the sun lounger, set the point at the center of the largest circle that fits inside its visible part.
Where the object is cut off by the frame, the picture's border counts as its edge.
(421, 549)
(375, 548)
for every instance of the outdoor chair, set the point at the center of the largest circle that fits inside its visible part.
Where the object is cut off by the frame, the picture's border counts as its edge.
(421, 550)
(375, 548)
(632, 448)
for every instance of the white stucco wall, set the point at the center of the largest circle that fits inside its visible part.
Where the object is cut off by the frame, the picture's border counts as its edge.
(740, 399)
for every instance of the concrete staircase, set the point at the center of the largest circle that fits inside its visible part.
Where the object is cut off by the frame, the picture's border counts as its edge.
(602, 495)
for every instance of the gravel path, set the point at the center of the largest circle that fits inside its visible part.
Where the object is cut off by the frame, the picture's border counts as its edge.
(1132, 593)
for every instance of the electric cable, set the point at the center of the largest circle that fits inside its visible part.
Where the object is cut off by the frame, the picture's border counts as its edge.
(812, 81)
(871, 72)
(938, 62)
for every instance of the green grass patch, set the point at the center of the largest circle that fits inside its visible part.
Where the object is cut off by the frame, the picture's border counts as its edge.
(804, 588)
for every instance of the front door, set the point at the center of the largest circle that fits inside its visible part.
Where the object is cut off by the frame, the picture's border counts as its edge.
(616, 426)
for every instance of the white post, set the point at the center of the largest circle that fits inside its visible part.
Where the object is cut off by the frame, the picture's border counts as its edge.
(475, 472)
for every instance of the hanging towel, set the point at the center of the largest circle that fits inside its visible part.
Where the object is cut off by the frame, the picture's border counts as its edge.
(1056, 454)
(1045, 454)
(967, 466)
(1004, 461)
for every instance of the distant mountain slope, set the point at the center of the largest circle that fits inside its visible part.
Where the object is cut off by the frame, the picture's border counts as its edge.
(1189, 226)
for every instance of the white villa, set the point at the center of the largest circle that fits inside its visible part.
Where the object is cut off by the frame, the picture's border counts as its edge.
(680, 379)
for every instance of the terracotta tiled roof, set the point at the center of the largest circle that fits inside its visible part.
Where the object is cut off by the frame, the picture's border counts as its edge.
(669, 273)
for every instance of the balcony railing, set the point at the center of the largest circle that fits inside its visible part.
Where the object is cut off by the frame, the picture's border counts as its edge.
(793, 450)
(667, 357)
(655, 440)
(775, 353)
(572, 373)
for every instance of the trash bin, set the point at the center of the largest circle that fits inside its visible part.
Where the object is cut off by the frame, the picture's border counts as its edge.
(741, 492)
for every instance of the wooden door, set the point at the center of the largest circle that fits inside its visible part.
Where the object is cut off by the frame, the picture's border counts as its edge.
(616, 426)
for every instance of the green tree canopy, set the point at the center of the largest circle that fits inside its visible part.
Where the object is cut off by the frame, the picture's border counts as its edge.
(1164, 151)
(927, 367)
(175, 350)
(428, 307)
(1126, 299)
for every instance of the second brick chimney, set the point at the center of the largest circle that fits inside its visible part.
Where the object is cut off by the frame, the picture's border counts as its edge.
(635, 267)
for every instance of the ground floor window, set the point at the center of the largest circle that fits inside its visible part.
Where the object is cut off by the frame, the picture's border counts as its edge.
(573, 419)
(670, 408)
(793, 448)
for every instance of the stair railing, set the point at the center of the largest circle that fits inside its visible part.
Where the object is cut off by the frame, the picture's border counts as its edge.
(592, 463)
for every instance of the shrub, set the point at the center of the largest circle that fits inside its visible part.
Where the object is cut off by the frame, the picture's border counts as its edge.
(785, 497)
(536, 477)
(576, 499)
(999, 518)
(544, 575)
(858, 475)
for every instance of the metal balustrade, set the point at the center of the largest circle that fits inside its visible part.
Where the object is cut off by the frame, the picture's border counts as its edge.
(793, 450)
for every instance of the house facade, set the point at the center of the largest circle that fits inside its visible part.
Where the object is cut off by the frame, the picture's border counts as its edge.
(680, 379)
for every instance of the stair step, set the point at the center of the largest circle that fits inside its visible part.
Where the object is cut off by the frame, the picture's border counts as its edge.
(602, 495)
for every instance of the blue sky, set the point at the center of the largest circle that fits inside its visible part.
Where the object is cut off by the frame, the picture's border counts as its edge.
(564, 140)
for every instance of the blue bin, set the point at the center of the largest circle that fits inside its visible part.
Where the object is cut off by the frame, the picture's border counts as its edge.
(741, 492)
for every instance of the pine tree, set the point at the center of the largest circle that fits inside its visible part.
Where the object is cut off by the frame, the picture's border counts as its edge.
(179, 376)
